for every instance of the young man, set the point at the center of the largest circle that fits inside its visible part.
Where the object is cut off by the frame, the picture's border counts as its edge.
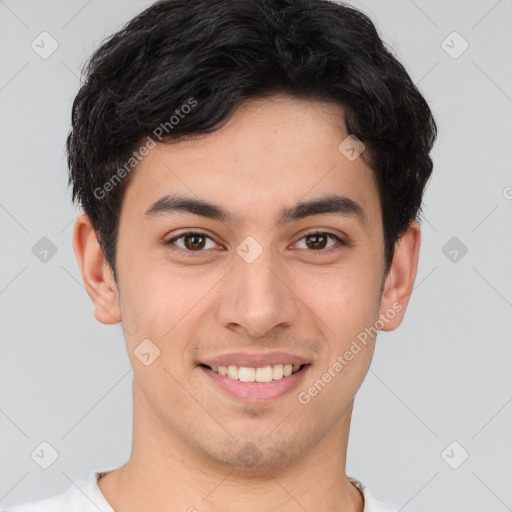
(250, 174)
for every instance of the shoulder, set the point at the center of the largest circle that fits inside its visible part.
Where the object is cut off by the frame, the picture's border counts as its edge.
(55, 503)
(82, 496)
(370, 503)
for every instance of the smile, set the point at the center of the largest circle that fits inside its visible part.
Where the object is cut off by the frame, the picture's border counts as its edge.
(262, 374)
(256, 384)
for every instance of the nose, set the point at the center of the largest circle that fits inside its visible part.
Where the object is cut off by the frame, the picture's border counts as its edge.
(257, 297)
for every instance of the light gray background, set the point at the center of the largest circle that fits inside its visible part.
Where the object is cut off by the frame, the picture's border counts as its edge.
(443, 376)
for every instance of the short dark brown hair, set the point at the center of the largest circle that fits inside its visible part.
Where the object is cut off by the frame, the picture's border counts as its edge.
(220, 53)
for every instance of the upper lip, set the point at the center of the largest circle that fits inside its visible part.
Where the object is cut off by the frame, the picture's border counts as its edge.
(255, 360)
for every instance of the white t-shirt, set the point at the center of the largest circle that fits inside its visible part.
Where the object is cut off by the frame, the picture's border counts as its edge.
(85, 496)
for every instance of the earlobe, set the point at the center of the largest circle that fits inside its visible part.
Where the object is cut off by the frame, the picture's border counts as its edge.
(96, 274)
(399, 282)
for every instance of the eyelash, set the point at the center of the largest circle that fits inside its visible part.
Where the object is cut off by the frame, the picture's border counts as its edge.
(341, 243)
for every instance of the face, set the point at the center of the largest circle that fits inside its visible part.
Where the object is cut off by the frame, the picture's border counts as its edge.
(251, 282)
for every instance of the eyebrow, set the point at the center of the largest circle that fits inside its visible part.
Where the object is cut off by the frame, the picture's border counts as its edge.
(337, 204)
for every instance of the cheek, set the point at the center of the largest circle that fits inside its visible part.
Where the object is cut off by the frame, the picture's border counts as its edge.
(155, 334)
(346, 304)
(345, 298)
(145, 300)
(162, 304)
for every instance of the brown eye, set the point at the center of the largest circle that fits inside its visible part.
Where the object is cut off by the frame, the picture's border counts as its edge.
(318, 241)
(191, 242)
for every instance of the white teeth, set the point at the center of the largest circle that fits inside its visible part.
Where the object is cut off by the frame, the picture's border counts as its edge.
(246, 374)
(277, 371)
(263, 374)
(233, 371)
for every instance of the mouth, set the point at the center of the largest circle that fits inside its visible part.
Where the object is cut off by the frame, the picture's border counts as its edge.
(261, 374)
(256, 385)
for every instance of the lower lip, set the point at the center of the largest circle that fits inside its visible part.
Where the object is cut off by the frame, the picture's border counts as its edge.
(257, 391)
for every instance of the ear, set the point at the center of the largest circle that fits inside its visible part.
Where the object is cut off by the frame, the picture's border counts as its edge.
(96, 273)
(400, 279)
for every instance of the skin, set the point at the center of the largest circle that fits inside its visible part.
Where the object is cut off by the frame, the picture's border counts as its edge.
(187, 433)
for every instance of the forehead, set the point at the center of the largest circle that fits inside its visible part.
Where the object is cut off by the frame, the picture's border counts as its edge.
(269, 156)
